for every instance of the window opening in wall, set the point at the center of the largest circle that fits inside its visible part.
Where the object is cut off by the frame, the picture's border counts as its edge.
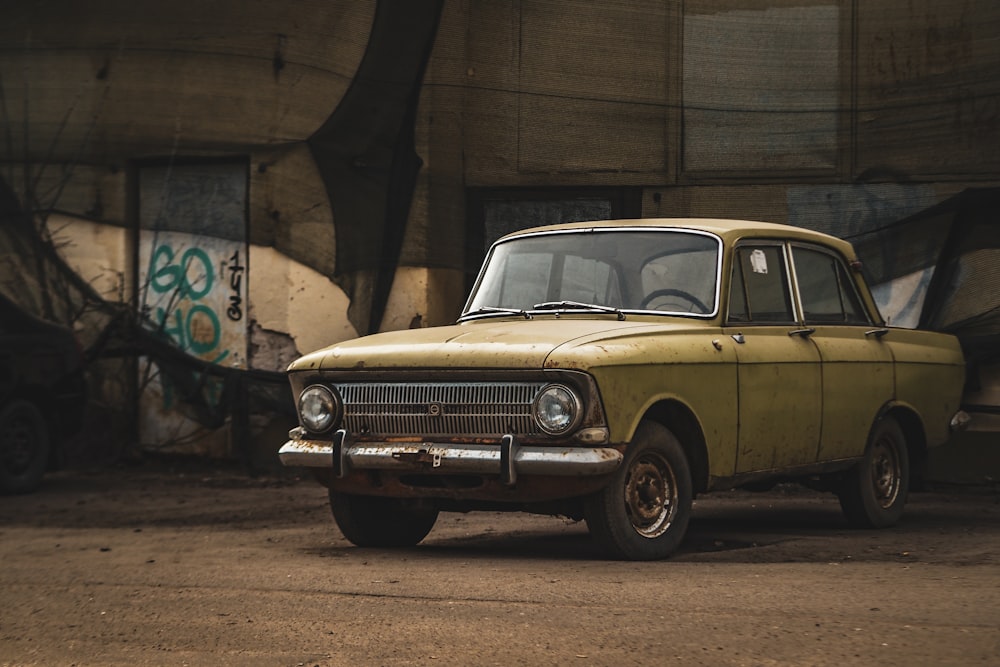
(494, 212)
(192, 272)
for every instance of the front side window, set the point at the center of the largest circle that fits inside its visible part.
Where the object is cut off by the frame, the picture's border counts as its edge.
(655, 271)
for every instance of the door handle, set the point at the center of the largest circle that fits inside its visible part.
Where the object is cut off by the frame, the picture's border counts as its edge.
(878, 333)
(805, 333)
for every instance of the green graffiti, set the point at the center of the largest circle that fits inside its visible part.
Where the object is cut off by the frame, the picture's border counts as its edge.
(198, 340)
(199, 336)
(166, 276)
(193, 327)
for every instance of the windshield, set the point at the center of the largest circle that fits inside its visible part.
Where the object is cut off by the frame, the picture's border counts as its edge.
(664, 271)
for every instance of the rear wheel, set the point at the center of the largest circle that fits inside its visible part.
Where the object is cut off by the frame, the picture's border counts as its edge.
(874, 491)
(644, 512)
(24, 447)
(371, 521)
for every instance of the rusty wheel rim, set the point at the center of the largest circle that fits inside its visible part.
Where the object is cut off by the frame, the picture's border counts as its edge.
(886, 472)
(650, 495)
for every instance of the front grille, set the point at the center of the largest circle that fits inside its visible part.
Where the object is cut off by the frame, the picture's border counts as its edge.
(444, 409)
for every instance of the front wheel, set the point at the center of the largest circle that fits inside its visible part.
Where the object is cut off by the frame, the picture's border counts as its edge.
(644, 512)
(372, 521)
(874, 491)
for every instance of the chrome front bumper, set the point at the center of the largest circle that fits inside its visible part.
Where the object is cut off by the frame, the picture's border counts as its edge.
(508, 459)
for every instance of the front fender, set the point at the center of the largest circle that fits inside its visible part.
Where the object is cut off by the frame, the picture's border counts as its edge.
(707, 387)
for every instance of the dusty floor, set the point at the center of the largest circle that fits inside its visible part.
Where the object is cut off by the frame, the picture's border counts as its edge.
(205, 566)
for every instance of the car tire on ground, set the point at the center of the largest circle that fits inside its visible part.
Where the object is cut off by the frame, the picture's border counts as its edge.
(24, 447)
(644, 512)
(874, 491)
(371, 521)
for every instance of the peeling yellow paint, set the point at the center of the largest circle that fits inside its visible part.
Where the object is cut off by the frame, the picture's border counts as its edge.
(423, 297)
(97, 252)
(290, 297)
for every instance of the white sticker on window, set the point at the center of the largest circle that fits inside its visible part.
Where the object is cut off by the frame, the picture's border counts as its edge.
(758, 261)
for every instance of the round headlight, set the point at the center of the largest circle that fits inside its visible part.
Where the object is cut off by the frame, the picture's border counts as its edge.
(557, 409)
(318, 408)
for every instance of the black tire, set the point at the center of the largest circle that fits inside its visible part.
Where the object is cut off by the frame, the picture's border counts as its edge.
(644, 512)
(371, 521)
(24, 447)
(874, 491)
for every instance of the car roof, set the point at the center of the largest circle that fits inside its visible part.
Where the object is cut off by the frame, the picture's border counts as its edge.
(730, 231)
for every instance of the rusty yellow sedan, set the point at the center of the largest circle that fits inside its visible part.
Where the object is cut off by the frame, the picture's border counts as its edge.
(611, 371)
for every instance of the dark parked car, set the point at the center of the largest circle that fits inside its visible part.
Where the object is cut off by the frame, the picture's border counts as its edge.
(42, 395)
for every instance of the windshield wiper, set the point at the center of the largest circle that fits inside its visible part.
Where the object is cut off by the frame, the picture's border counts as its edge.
(577, 305)
(492, 311)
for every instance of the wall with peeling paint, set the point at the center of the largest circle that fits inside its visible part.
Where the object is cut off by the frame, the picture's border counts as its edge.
(828, 114)
(833, 115)
(95, 94)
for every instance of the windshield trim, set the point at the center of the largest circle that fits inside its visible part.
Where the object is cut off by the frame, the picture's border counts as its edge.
(466, 315)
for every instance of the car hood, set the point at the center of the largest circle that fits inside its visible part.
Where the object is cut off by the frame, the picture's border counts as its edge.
(539, 343)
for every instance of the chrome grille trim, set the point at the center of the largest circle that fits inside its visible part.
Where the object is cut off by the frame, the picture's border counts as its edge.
(465, 408)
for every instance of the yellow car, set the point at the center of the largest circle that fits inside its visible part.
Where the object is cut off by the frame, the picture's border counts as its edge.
(611, 371)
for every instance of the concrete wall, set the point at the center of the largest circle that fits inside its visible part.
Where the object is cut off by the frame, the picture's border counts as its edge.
(93, 92)
(830, 114)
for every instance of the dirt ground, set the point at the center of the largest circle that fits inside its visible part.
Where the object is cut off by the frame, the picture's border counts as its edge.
(196, 565)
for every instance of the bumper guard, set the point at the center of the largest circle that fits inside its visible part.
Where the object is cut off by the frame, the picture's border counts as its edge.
(508, 459)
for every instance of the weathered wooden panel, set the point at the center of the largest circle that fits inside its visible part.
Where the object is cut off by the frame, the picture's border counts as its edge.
(593, 87)
(928, 87)
(590, 136)
(761, 87)
(106, 80)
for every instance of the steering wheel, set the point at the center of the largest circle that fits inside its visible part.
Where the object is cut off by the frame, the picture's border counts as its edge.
(693, 302)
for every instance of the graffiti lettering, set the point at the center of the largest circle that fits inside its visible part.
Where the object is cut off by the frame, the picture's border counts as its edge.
(189, 277)
(198, 331)
(192, 290)
(235, 310)
(166, 277)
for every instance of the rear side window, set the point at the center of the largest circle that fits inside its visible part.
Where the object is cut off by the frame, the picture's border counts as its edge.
(827, 292)
(759, 289)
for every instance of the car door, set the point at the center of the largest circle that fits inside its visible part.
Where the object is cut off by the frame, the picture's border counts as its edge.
(778, 367)
(857, 365)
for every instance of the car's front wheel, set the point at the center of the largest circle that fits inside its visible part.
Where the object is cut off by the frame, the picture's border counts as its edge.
(874, 491)
(24, 447)
(371, 521)
(644, 512)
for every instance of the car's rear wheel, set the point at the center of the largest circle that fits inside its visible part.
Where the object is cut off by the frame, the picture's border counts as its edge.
(644, 512)
(24, 447)
(370, 521)
(874, 491)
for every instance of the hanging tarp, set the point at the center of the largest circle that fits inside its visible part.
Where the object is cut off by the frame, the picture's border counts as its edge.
(944, 263)
(366, 156)
(940, 269)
